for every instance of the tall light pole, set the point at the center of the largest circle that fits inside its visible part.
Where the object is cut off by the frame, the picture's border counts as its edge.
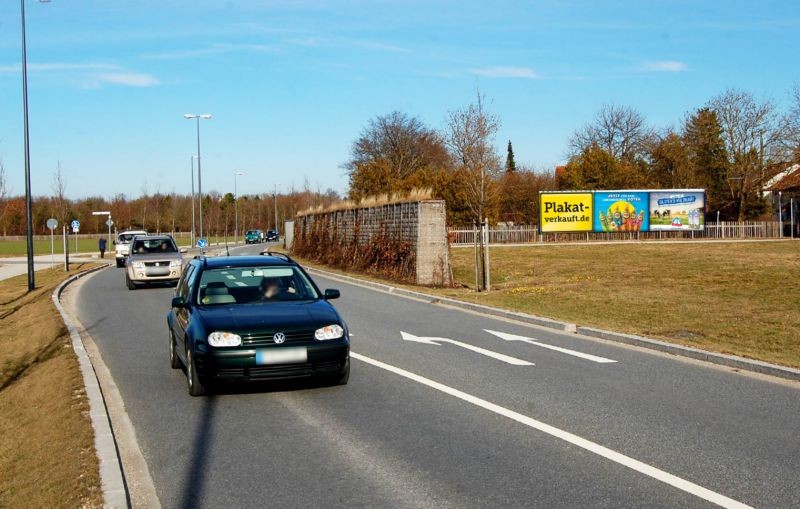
(236, 207)
(26, 141)
(193, 116)
(275, 199)
(191, 162)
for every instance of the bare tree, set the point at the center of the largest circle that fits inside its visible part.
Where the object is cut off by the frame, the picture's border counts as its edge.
(754, 140)
(61, 204)
(3, 194)
(791, 126)
(470, 138)
(619, 130)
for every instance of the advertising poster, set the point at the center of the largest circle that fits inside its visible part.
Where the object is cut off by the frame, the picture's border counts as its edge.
(565, 212)
(677, 210)
(621, 211)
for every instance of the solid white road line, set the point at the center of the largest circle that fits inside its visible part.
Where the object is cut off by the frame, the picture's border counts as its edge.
(514, 337)
(616, 457)
(437, 341)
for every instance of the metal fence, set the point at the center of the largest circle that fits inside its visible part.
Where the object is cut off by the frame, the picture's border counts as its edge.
(530, 234)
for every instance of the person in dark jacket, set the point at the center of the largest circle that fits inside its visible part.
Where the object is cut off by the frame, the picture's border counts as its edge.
(102, 245)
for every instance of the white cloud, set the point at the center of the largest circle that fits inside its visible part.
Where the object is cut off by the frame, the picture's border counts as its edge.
(507, 72)
(665, 66)
(215, 49)
(128, 79)
(56, 66)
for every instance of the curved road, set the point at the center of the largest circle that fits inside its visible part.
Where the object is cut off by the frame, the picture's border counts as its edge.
(441, 413)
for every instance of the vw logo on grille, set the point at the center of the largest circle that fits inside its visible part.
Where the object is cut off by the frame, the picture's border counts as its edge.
(279, 337)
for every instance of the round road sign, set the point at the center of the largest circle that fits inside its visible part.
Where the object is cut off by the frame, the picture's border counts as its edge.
(75, 224)
(52, 223)
(201, 243)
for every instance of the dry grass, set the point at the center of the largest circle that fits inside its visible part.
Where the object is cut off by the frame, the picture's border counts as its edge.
(742, 298)
(47, 456)
(372, 201)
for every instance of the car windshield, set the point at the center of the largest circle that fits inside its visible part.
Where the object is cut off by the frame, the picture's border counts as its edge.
(153, 246)
(250, 285)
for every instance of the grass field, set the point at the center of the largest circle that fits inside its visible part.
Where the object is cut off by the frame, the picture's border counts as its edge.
(42, 247)
(47, 456)
(739, 298)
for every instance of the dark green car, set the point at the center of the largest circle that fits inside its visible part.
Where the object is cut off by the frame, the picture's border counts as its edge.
(244, 318)
(253, 237)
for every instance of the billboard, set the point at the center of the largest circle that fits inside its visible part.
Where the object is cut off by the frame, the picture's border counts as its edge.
(677, 210)
(621, 211)
(565, 212)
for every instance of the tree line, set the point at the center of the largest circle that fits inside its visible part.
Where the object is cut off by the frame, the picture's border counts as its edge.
(156, 211)
(731, 147)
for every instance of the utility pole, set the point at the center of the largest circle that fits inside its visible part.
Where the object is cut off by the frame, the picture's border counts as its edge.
(275, 199)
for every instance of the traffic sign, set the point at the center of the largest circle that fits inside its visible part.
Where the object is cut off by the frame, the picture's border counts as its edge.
(201, 243)
(110, 223)
(52, 223)
(75, 225)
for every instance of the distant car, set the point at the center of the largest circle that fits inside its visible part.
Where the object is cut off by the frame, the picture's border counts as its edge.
(272, 236)
(153, 259)
(253, 237)
(123, 243)
(245, 318)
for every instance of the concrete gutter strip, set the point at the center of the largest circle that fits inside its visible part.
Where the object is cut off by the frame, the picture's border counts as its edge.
(721, 359)
(115, 493)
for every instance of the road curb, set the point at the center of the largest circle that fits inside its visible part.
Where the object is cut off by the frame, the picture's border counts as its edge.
(115, 492)
(721, 359)
(433, 299)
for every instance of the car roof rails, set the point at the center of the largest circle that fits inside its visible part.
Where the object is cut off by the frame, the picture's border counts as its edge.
(278, 255)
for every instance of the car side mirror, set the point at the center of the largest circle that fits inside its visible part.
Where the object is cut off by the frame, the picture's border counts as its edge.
(332, 293)
(184, 250)
(178, 302)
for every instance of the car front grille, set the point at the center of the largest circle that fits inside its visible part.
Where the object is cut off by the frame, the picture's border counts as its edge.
(267, 338)
(281, 371)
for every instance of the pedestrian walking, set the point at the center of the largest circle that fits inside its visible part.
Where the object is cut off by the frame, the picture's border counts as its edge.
(102, 245)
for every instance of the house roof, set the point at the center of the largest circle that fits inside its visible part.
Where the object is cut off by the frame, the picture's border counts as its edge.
(789, 181)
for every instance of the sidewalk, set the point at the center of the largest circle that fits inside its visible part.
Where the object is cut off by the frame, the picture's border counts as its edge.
(17, 265)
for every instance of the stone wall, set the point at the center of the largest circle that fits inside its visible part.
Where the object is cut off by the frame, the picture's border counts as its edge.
(406, 241)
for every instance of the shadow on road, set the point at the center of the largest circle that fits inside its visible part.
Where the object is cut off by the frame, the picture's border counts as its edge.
(195, 479)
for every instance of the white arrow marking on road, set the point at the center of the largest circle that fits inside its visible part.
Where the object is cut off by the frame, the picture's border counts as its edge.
(438, 341)
(514, 337)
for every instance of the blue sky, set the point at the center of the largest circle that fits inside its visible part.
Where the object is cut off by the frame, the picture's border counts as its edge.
(292, 83)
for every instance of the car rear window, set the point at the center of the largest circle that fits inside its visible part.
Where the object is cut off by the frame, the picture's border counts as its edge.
(249, 285)
(153, 246)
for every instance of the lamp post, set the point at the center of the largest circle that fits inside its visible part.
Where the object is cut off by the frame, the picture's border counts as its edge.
(236, 207)
(26, 142)
(275, 200)
(193, 116)
(191, 162)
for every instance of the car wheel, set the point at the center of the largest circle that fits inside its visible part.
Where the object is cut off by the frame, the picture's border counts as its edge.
(174, 361)
(197, 386)
(120, 263)
(130, 284)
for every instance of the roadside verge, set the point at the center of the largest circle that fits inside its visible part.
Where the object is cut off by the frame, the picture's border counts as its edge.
(721, 359)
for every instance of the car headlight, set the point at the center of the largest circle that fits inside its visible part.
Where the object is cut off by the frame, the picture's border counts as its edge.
(138, 265)
(175, 263)
(224, 339)
(329, 332)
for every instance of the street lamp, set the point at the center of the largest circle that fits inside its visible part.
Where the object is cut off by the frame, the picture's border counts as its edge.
(191, 162)
(236, 207)
(28, 211)
(205, 116)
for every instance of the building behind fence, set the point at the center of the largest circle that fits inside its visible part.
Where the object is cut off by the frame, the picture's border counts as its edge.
(523, 234)
(406, 241)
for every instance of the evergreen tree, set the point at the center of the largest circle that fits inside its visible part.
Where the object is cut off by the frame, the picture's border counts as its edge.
(708, 158)
(511, 166)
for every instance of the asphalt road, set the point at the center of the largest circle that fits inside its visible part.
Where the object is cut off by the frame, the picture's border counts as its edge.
(474, 420)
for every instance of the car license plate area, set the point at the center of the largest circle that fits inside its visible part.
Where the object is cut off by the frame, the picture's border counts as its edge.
(272, 356)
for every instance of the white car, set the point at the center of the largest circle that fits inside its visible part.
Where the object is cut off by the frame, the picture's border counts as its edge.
(122, 245)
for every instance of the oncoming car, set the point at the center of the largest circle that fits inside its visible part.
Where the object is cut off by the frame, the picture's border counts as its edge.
(153, 259)
(122, 245)
(243, 318)
(253, 236)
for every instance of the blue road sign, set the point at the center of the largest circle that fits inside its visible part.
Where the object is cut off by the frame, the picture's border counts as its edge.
(75, 224)
(201, 243)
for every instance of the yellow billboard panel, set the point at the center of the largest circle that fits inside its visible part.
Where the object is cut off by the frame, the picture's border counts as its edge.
(565, 212)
